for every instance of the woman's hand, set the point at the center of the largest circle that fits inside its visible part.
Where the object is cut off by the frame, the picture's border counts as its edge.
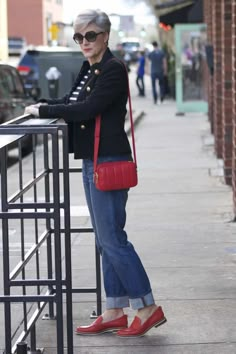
(40, 104)
(33, 109)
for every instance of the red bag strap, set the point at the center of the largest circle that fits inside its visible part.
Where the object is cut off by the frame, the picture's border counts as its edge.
(98, 126)
(96, 141)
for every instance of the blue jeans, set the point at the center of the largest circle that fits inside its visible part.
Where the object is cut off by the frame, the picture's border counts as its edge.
(160, 78)
(125, 280)
(140, 85)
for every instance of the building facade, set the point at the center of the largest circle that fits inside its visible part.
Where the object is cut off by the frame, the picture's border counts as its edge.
(220, 17)
(35, 20)
(3, 30)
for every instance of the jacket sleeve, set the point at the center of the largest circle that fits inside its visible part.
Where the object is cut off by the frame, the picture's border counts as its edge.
(111, 83)
(54, 101)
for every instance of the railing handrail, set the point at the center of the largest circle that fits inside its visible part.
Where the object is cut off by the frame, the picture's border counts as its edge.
(25, 120)
(24, 117)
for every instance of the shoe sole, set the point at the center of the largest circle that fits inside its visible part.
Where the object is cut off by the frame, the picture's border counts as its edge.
(108, 330)
(157, 324)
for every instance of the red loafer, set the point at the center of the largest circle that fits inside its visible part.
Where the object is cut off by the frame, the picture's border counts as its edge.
(137, 329)
(98, 326)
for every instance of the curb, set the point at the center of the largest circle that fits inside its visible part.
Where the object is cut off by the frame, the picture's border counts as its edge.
(137, 118)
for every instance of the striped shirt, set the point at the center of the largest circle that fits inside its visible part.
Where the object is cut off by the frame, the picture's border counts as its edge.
(74, 95)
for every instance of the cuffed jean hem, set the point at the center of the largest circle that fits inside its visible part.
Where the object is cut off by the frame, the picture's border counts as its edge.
(124, 301)
(117, 302)
(142, 302)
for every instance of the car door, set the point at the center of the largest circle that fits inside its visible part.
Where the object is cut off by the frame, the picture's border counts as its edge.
(13, 100)
(18, 97)
(6, 109)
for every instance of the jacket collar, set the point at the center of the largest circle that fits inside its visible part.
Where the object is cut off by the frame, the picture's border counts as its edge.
(98, 66)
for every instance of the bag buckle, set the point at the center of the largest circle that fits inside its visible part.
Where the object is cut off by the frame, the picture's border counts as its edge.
(95, 177)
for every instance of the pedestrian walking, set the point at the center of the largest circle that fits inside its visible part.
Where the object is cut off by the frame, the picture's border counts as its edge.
(158, 71)
(127, 60)
(140, 73)
(101, 88)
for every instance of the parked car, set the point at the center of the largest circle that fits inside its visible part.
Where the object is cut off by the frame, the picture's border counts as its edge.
(13, 98)
(131, 47)
(36, 61)
(16, 45)
(29, 71)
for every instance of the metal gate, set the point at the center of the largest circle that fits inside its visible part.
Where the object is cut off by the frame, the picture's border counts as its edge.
(45, 212)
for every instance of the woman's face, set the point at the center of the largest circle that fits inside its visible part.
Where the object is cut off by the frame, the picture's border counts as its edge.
(93, 51)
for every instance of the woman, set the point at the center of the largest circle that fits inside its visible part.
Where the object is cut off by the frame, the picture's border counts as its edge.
(102, 88)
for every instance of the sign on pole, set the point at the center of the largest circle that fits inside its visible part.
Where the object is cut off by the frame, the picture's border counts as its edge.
(127, 23)
(54, 29)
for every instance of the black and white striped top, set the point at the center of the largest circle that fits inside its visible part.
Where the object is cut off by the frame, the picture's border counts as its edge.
(74, 96)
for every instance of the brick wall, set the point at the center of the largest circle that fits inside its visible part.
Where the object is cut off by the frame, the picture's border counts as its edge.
(226, 38)
(217, 77)
(220, 17)
(208, 20)
(31, 18)
(233, 74)
(25, 19)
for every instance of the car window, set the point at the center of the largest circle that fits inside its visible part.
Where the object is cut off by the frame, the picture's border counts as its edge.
(19, 89)
(4, 88)
(13, 82)
(16, 45)
(28, 58)
(131, 45)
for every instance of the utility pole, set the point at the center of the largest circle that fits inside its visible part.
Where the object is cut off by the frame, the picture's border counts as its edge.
(3, 31)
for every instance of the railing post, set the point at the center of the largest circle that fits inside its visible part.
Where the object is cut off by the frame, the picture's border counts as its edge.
(66, 185)
(33, 339)
(50, 315)
(5, 247)
(21, 348)
(57, 243)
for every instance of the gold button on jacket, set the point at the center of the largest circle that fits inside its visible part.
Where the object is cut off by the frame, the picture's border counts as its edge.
(88, 89)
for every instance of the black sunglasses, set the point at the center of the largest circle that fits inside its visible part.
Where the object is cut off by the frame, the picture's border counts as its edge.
(90, 36)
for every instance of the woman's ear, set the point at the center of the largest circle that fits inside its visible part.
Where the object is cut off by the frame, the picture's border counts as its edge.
(106, 37)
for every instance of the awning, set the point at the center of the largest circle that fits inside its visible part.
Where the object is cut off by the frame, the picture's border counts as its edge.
(188, 13)
(171, 5)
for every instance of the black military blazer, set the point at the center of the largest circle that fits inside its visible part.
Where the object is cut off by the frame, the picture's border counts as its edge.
(105, 93)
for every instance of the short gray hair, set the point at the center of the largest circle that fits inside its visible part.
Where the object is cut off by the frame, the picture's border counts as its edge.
(97, 17)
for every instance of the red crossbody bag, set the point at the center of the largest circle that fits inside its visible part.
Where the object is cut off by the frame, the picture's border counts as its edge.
(115, 175)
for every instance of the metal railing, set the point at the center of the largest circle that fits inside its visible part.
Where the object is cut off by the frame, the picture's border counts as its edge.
(49, 191)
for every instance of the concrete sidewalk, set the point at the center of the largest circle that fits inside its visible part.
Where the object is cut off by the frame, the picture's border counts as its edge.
(179, 220)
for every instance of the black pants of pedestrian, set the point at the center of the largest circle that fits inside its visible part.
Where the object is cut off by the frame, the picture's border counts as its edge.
(140, 85)
(158, 77)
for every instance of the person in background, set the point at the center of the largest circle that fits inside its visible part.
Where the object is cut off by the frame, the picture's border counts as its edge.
(127, 60)
(158, 71)
(140, 73)
(101, 87)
